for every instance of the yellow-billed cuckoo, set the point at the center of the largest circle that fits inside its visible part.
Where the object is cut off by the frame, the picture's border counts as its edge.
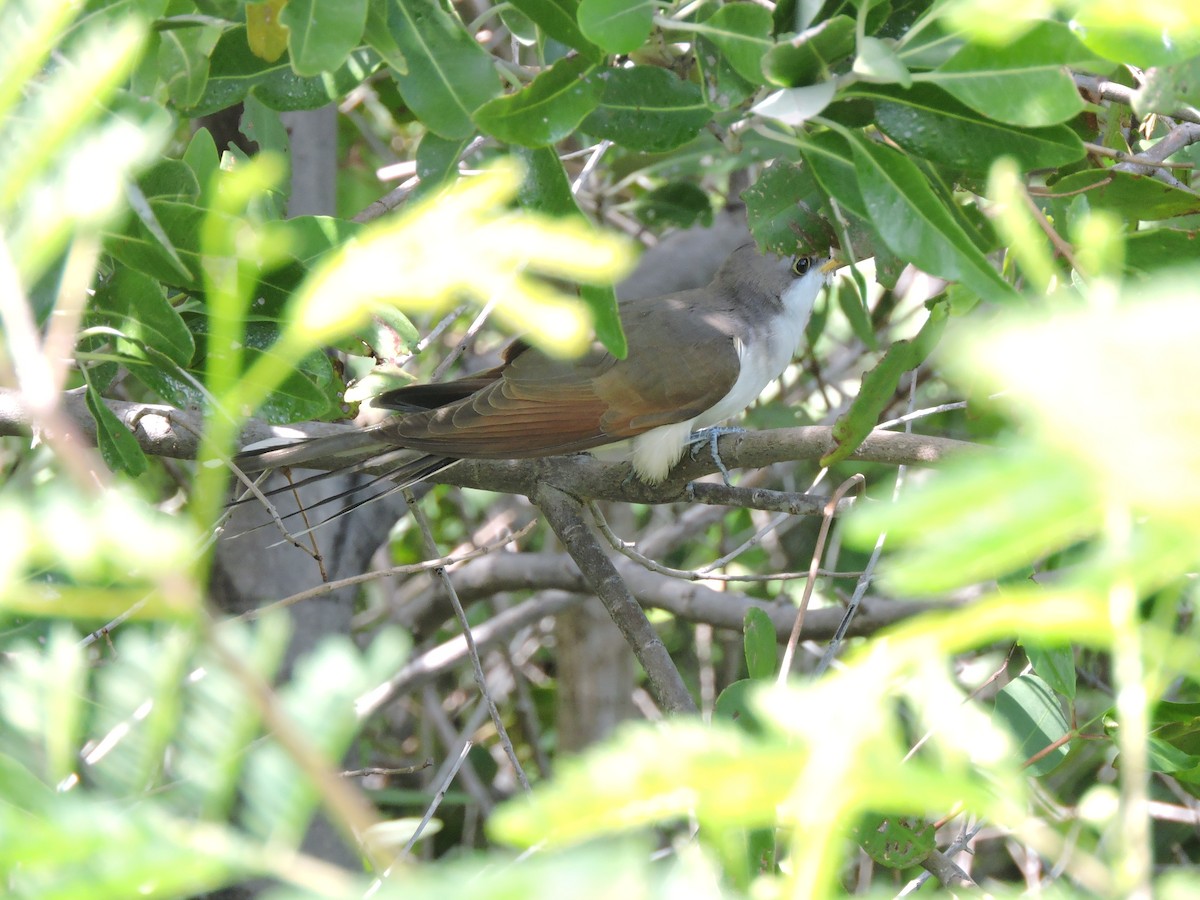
(695, 358)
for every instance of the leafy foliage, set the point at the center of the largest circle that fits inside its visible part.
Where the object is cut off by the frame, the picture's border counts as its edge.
(1036, 168)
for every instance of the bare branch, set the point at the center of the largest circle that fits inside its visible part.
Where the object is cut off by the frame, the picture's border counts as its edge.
(563, 586)
(565, 516)
(165, 431)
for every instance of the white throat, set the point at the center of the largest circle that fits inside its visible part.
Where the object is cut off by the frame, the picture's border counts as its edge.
(763, 355)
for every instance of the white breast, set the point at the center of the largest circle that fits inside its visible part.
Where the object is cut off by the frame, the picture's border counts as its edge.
(763, 357)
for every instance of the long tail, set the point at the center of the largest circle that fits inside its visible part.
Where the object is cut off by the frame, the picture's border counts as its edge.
(335, 451)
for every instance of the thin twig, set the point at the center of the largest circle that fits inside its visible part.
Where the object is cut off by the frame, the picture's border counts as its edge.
(789, 651)
(441, 575)
(438, 797)
(411, 569)
(626, 549)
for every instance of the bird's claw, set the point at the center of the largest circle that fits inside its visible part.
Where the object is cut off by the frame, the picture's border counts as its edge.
(709, 436)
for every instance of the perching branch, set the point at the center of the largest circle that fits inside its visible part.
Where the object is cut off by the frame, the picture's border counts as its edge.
(565, 515)
(164, 431)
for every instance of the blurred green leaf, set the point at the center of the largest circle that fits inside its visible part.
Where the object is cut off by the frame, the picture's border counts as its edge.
(133, 304)
(897, 842)
(680, 204)
(927, 122)
(1021, 83)
(235, 71)
(646, 108)
(1033, 713)
(449, 75)
(1130, 195)
(1055, 665)
(265, 32)
(545, 189)
(742, 32)
(547, 109)
(1062, 377)
(879, 386)
(781, 210)
(981, 519)
(558, 18)
(1150, 34)
(760, 642)
(618, 26)
(806, 58)
(183, 55)
(898, 197)
(322, 32)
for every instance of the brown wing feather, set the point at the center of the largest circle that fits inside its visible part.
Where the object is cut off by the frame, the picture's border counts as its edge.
(539, 406)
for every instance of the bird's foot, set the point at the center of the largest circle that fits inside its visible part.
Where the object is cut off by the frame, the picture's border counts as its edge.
(709, 436)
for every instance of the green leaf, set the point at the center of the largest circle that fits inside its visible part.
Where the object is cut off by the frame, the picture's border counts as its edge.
(795, 106)
(647, 108)
(896, 842)
(1129, 195)
(378, 36)
(618, 26)
(264, 126)
(162, 239)
(760, 642)
(183, 62)
(546, 189)
(831, 161)
(723, 87)
(1139, 33)
(134, 304)
(927, 122)
(323, 32)
(265, 33)
(880, 384)
(1168, 89)
(203, 158)
(1166, 757)
(737, 703)
(1054, 664)
(234, 71)
(1022, 83)
(781, 210)
(981, 519)
(546, 110)
(437, 161)
(449, 75)
(680, 204)
(915, 224)
(558, 18)
(118, 447)
(806, 58)
(1034, 715)
(877, 61)
(1151, 250)
(854, 308)
(742, 31)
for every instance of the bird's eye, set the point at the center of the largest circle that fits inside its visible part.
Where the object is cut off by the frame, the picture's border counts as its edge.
(800, 265)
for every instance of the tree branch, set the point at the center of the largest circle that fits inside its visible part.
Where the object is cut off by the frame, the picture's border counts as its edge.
(561, 586)
(164, 431)
(565, 515)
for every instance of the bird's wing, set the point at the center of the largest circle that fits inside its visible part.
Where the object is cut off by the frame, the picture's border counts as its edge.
(540, 406)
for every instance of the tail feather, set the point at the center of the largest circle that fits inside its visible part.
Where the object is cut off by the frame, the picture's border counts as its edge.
(354, 444)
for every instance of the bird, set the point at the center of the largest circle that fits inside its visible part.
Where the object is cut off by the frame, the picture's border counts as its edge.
(695, 358)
